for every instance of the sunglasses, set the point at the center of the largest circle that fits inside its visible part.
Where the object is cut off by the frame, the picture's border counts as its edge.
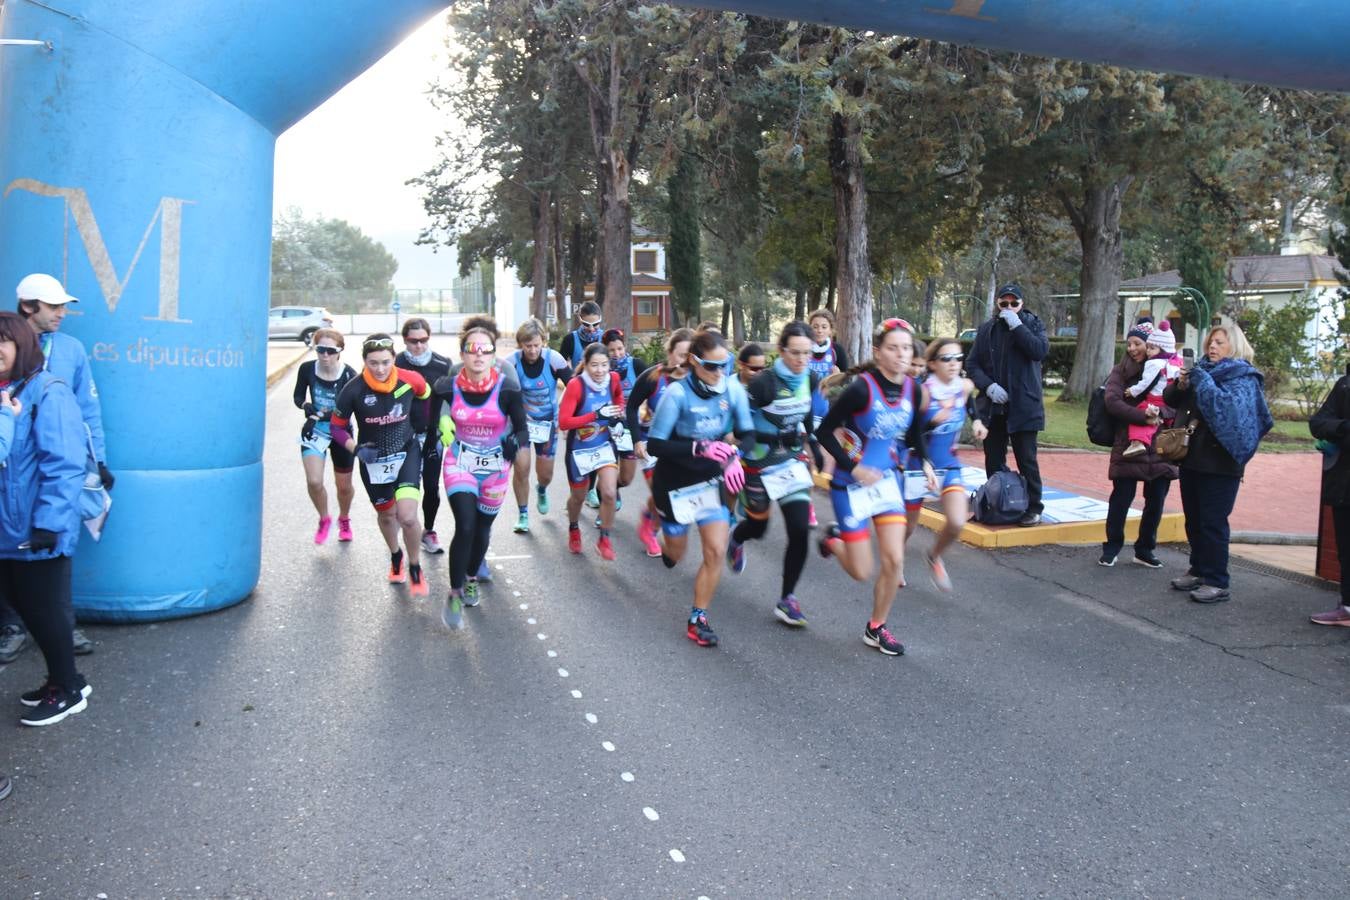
(415, 340)
(951, 357)
(327, 351)
(711, 366)
(1010, 304)
(753, 368)
(590, 325)
(480, 349)
(379, 344)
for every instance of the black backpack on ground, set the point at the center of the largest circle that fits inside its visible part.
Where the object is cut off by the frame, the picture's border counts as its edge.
(1002, 500)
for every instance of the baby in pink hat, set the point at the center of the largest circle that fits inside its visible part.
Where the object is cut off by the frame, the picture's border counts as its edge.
(1160, 370)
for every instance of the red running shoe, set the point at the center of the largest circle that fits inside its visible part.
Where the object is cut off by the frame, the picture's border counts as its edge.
(606, 548)
(397, 573)
(574, 540)
(417, 586)
(647, 534)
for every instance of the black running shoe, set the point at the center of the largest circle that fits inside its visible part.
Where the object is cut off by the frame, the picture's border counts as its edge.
(54, 707)
(701, 633)
(1147, 559)
(881, 638)
(34, 697)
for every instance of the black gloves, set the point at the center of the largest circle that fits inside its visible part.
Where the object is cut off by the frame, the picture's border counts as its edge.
(42, 539)
(307, 430)
(105, 476)
(510, 447)
(311, 410)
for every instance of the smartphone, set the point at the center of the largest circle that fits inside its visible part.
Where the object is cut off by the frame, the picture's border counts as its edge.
(1187, 358)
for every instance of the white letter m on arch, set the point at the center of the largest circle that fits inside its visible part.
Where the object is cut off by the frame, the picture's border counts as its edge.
(169, 215)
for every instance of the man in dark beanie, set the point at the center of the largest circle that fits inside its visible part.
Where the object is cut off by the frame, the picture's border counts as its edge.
(1005, 364)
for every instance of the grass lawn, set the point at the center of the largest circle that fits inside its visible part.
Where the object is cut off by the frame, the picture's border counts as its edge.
(1066, 426)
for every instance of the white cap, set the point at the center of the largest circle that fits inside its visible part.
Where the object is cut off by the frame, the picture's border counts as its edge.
(45, 288)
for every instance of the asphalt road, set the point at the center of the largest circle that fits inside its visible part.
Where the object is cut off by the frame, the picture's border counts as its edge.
(1055, 729)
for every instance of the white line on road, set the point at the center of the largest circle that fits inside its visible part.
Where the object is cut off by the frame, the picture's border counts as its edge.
(517, 556)
(531, 621)
(650, 814)
(576, 695)
(542, 636)
(609, 748)
(626, 776)
(515, 593)
(563, 673)
(553, 654)
(524, 606)
(677, 856)
(590, 717)
(1101, 610)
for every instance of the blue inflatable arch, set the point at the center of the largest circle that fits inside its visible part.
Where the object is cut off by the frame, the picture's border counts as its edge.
(136, 148)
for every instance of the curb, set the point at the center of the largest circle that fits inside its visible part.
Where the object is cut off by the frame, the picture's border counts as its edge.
(277, 372)
(1273, 537)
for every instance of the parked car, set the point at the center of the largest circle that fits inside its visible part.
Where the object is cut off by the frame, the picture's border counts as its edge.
(1067, 331)
(297, 322)
(968, 334)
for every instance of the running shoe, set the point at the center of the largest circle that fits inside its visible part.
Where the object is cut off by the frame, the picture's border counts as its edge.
(1338, 616)
(431, 542)
(1147, 559)
(344, 529)
(80, 643)
(542, 501)
(941, 580)
(484, 571)
(647, 534)
(701, 633)
(54, 706)
(453, 614)
(881, 638)
(618, 503)
(574, 539)
(417, 586)
(597, 522)
(605, 547)
(592, 499)
(397, 574)
(522, 524)
(1106, 559)
(811, 516)
(823, 545)
(34, 697)
(735, 557)
(321, 534)
(471, 595)
(789, 612)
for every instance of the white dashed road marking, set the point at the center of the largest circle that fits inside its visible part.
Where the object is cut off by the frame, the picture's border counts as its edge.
(563, 673)
(650, 814)
(626, 776)
(608, 746)
(677, 856)
(590, 717)
(576, 695)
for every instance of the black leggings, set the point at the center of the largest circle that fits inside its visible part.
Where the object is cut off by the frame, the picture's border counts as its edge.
(39, 591)
(797, 519)
(431, 488)
(473, 529)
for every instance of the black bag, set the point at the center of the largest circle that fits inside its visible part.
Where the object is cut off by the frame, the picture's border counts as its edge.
(1101, 425)
(1002, 500)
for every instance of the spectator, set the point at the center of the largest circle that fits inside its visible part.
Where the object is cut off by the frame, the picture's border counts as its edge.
(1331, 426)
(590, 326)
(9, 411)
(1222, 401)
(1005, 364)
(42, 302)
(1128, 472)
(40, 487)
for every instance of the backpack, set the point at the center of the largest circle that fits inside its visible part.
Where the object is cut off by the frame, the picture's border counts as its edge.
(1101, 425)
(1001, 500)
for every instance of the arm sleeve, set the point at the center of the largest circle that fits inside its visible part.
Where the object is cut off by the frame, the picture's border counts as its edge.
(661, 439)
(840, 357)
(559, 366)
(852, 400)
(301, 385)
(339, 423)
(568, 420)
(86, 395)
(642, 390)
(513, 404)
(565, 348)
(421, 390)
(61, 453)
(742, 423)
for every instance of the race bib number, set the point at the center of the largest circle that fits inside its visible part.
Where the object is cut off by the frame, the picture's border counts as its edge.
(385, 469)
(789, 477)
(872, 499)
(916, 485)
(623, 440)
(318, 442)
(587, 461)
(480, 461)
(689, 504)
(540, 432)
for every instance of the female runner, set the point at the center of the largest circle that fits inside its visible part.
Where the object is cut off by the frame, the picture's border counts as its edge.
(641, 406)
(481, 419)
(877, 412)
(540, 369)
(948, 397)
(780, 404)
(750, 362)
(592, 404)
(320, 380)
(698, 474)
(623, 365)
(381, 401)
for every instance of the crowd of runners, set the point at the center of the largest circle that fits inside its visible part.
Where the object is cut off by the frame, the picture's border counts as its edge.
(721, 440)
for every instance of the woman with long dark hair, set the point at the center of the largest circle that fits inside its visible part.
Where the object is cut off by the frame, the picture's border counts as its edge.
(40, 486)
(642, 403)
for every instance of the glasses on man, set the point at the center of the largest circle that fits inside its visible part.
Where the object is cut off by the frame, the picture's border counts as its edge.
(377, 344)
(327, 351)
(1010, 303)
(951, 357)
(480, 349)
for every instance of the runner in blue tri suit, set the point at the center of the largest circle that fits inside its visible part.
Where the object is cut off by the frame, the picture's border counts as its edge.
(698, 474)
(623, 365)
(642, 402)
(317, 383)
(588, 331)
(780, 404)
(827, 358)
(949, 397)
(540, 370)
(877, 413)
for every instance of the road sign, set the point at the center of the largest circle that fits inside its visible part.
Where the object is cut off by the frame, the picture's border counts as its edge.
(395, 306)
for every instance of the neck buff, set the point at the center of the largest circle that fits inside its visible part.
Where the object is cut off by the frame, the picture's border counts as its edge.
(476, 387)
(420, 359)
(592, 383)
(381, 387)
(786, 375)
(703, 389)
(821, 349)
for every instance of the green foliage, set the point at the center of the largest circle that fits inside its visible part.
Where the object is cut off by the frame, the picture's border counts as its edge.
(1293, 362)
(684, 260)
(319, 254)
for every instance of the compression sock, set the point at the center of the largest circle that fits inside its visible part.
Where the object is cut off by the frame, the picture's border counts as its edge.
(695, 612)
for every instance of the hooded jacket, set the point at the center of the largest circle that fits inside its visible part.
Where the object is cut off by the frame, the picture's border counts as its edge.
(40, 482)
(1146, 466)
(1010, 357)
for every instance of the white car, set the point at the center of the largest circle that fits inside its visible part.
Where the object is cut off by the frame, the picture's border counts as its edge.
(297, 322)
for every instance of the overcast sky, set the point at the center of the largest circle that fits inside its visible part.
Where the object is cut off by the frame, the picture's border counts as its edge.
(349, 158)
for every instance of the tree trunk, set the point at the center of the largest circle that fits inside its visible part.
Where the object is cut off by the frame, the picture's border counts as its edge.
(814, 293)
(725, 324)
(1097, 223)
(993, 278)
(578, 254)
(799, 305)
(616, 238)
(854, 275)
(830, 285)
(541, 213)
(559, 275)
(929, 295)
(737, 317)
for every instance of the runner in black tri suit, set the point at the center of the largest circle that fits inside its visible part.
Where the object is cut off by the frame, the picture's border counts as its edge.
(317, 384)
(418, 357)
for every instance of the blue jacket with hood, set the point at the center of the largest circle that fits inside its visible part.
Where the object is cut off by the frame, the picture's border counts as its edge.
(67, 360)
(40, 482)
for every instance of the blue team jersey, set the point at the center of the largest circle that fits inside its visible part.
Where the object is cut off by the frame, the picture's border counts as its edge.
(942, 437)
(540, 395)
(684, 414)
(822, 366)
(627, 374)
(881, 428)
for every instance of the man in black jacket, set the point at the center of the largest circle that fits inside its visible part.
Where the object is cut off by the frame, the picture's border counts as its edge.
(1005, 364)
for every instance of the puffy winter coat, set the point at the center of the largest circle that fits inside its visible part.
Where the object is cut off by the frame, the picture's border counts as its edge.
(1146, 466)
(1011, 358)
(40, 482)
(1332, 423)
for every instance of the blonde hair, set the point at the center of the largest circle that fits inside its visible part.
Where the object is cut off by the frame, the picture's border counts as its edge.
(529, 329)
(1242, 348)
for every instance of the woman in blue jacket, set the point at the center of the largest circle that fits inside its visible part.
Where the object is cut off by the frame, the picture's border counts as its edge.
(40, 486)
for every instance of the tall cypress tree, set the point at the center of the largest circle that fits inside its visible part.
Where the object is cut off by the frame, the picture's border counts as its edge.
(684, 255)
